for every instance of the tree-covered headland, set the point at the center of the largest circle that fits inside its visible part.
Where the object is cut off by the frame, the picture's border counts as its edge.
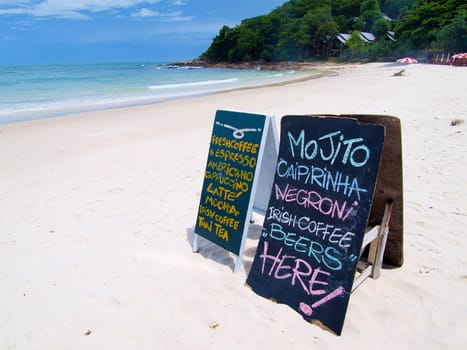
(309, 29)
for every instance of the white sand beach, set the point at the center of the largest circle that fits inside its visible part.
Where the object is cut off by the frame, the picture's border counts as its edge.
(97, 212)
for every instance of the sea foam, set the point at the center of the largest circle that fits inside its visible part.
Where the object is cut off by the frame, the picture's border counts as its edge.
(41, 91)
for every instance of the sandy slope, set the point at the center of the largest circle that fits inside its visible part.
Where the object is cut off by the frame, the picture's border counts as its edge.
(97, 212)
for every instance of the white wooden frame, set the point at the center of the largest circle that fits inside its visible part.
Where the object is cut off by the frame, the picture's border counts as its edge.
(376, 237)
(262, 182)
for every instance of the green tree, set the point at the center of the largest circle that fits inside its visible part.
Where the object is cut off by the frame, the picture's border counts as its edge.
(219, 47)
(356, 45)
(420, 24)
(381, 27)
(378, 50)
(301, 29)
(346, 14)
(246, 48)
(320, 27)
(292, 43)
(394, 8)
(369, 13)
(453, 37)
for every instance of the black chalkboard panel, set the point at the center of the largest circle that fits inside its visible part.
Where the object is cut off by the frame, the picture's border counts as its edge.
(228, 178)
(317, 213)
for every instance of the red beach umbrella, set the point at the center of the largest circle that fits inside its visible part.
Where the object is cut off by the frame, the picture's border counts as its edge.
(406, 60)
(459, 59)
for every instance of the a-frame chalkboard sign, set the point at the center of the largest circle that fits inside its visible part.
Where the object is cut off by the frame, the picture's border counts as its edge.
(237, 180)
(318, 210)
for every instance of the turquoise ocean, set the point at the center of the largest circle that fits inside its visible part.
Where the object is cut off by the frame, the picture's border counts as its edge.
(30, 92)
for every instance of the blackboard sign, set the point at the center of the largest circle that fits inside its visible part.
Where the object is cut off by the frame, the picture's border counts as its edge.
(317, 213)
(230, 178)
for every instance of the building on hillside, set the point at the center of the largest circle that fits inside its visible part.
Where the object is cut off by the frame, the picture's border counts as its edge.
(367, 37)
(390, 35)
(339, 44)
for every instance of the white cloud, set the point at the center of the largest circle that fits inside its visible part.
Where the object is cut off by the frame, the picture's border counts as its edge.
(144, 13)
(175, 16)
(14, 2)
(77, 9)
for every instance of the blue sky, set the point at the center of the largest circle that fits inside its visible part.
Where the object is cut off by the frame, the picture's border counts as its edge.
(86, 31)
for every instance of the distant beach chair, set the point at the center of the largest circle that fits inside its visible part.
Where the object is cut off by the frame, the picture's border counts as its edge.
(399, 73)
(383, 239)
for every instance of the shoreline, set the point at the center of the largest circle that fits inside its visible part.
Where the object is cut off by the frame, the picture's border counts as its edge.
(68, 110)
(98, 211)
(282, 83)
(279, 66)
(312, 73)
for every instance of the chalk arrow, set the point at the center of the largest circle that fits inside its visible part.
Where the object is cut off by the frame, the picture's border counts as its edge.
(308, 309)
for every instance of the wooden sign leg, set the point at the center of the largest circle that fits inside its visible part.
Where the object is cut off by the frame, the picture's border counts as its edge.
(377, 250)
